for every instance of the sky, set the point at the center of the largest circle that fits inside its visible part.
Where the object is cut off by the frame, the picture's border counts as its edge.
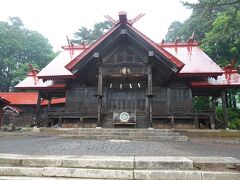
(57, 18)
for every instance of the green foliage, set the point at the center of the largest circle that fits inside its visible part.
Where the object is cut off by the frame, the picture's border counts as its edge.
(201, 102)
(235, 124)
(18, 48)
(223, 41)
(88, 36)
(174, 31)
(233, 117)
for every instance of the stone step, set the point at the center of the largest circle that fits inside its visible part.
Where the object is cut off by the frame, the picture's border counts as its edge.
(97, 162)
(120, 162)
(40, 178)
(50, 173)
(66, 172)
(127, 137)
(125, 133)
(183, 175)
(102, 130)
(116, 167)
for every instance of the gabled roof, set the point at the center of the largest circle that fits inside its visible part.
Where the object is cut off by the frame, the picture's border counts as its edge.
(124, 27)
(12, 108)
(20, 98)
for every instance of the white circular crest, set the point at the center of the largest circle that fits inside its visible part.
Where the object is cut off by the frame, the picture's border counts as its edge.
(124, 117)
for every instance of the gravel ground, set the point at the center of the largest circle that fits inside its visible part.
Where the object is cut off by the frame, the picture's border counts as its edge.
(60, 146)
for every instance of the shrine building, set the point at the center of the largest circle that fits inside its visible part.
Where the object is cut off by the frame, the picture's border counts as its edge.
(126, 80)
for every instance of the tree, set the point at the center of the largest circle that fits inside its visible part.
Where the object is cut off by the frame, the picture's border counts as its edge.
(20, 47)
(175, 31)
(201, 20)
(88, 36)
(222, 42)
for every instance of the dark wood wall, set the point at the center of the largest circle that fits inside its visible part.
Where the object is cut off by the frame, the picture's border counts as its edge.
(122, 66)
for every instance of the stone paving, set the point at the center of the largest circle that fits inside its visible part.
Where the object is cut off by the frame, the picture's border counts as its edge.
(61, 146)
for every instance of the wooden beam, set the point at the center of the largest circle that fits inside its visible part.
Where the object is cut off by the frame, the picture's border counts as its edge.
(224, 106)
(150, 93)
(100, 87)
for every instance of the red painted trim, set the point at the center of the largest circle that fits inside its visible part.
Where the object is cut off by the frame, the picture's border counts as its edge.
(180, 44)
(205, 74)
(76, 47)
(57, 77)
(54, 101)
(207, 85)
(36, 88)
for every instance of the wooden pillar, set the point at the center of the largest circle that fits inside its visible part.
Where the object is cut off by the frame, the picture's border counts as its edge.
(49, 103)
(172, 122)
(224, 106)
(81, 122)
(212, 118)
(38, 106)
(48, 109)
(99, 94)
(196, 123)
(150, 93)
(59, 121)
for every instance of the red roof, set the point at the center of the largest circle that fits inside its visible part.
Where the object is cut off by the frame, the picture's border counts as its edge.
(4, 100)
(20, 98)
(195, 60)
(56, 68)
(54, 101)
(33, 82)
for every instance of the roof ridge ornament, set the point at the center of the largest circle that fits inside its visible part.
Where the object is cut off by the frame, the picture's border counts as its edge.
(33, 71)
(123, 18)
